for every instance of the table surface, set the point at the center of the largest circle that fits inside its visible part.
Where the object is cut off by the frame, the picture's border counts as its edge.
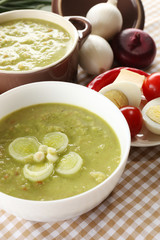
(132, 211)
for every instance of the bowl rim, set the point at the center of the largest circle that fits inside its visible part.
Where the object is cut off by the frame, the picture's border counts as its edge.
(40, 13)
(124, 157)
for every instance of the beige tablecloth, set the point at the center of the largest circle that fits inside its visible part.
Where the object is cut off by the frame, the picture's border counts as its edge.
(132, 211)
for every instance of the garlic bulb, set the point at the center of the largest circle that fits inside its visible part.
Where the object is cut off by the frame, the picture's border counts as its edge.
(96, 55)
(106, 19)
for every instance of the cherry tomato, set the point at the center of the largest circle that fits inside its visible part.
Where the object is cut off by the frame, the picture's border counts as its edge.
(134, 119)
(151, 86)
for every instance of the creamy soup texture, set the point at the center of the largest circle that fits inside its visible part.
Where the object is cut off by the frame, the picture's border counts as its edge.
(28, 44)
(89, 137)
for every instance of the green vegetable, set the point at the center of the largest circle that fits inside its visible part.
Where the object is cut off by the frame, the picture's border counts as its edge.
(8, 5)
(23, 148)
(38, 172)
(69, 164)
(56, 140)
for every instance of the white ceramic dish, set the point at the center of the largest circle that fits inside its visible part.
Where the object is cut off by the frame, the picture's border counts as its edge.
(70, 93)
(145, 139)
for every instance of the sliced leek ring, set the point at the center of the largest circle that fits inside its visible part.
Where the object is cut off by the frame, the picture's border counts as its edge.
(23, 148)
(38, 172)
(70, 164)
(56, 140)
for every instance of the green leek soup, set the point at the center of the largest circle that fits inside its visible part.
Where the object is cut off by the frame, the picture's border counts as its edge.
(53, 151)
(29, 44)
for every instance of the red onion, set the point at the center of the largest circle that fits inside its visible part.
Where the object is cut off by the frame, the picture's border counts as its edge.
(134, 48)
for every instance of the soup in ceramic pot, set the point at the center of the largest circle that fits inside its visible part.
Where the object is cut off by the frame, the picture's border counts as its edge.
(29, 44)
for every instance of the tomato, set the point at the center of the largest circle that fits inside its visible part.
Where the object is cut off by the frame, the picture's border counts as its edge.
(151, 86)
(134, 119)
(109, 76)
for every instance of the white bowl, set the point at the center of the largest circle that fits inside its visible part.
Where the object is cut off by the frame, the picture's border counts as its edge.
(70, 93)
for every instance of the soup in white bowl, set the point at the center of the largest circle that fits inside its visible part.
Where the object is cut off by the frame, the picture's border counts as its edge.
(97, 121)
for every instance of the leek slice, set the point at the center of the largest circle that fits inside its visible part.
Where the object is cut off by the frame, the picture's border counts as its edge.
(23, 148)
(70, 164)
(38, 172)
(56, 140)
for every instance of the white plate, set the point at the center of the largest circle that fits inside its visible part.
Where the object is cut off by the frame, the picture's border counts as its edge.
(145, 139)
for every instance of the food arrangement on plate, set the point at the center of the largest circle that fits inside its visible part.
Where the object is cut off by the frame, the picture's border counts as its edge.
(137, 95)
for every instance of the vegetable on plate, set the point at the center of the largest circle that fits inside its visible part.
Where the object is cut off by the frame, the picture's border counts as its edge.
(126, 87)
(151, 86)
(134, 119)
(123, 86)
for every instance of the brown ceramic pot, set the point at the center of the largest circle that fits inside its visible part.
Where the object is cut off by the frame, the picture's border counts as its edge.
(64, 69)
(132, 10)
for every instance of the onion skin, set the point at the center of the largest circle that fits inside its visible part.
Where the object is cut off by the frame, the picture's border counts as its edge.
(133, 48)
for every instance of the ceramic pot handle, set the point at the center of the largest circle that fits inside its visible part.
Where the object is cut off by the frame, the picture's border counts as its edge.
(83, 27)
